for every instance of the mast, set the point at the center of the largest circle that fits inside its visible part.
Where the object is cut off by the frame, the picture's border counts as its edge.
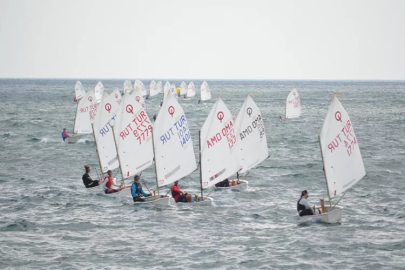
(118, 154)
(98, 154)
(199, 143)
(74, 123)
(154, 158)
(326, 178)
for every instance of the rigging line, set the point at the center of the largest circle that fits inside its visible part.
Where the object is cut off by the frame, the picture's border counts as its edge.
(223, 93)
(335, 96)
(338, 201)
(258, 93)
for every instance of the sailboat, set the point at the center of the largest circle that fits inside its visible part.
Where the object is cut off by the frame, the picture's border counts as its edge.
(173, 91)
(183, 89)
(166, 88)
(252, 142)
(139, 86)
(154, 90)
(293, 105)
(127, 86)
(79, 91)
(205, 91)
(173, 148)
(98, 91)
(342, 161)
(219, 156)
(85, 113)
(191, 90)
(102, 130)
(132, 131)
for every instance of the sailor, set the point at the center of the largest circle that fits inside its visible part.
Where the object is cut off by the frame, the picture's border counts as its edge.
(110, 183)
(161, 103)
(303, 207)
(178, 195)
(87, 181)
(64, 134)
(137, 191)
(224, 183)
(154, 117)
(199, 101)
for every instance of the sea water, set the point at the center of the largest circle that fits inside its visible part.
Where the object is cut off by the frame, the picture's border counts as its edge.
(48, 220)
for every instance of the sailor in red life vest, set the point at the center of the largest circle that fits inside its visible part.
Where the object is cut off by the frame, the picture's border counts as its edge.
(178, 195)
(64, 134)
(75, 99)
(110, 183)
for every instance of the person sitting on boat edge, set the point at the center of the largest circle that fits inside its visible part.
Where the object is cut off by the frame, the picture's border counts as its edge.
(178, 195)
(303, 207)
(87, 181)
(110, 183)
(137, 191)
(224, 183)
(64, 134)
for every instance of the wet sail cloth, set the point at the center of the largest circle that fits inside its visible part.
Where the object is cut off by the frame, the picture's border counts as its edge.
(250, 131)
(293, 105)
(79, 90)
(85, 113)
(102, 128)
(133, 137)
(342, 159)
(173, 147)
(219, 153)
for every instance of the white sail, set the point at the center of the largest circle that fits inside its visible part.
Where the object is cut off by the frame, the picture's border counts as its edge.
(342, 159)
(118, 96)
(205, 91)
(183, 88)
(98, 91)
(173, 91)
(128, 86)
(219, 153)
(133, 137)
(79, 90)
(85, 113)
(103, 134)
(173, 147)
(166, 89)
(154, 89)
(191, 90)
(139, 98)
(293, 105)
(139, 85)
(159, 87)
(251, 135)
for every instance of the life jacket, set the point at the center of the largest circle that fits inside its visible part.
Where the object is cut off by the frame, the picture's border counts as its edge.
(175, 193)
(138, 189)
(300, 207)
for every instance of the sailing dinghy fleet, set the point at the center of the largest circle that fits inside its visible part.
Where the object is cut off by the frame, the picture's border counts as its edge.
(127, 139)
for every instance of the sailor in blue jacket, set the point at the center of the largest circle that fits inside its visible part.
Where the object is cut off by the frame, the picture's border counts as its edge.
(136, 190)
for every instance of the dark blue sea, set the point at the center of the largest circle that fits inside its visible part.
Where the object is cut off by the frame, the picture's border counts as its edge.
(48, 220)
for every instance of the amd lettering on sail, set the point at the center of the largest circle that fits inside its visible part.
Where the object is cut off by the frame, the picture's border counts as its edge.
(345, 137)
(91, 109)
(256, 123)
(140, 127)
(228, 132)
(108, 127)
(181, 129)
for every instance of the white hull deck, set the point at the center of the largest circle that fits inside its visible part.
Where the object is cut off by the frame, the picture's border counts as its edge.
(243, 185)
(164, 200)
(71, 140)
(331, 216)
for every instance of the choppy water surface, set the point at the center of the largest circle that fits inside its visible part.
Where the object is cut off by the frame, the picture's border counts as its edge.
(49, 220)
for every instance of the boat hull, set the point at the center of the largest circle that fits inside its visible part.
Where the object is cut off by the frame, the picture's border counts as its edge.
(243, 185)
(331, 216)
(71, 140)
(164, 200)
(207, 201)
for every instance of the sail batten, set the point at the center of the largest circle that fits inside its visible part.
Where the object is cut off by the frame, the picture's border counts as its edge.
(343, 163)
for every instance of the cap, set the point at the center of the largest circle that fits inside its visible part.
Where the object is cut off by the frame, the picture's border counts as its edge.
(176, 181)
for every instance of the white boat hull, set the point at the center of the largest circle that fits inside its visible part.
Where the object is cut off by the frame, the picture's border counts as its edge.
(164, 200)
(207, 201)
(333, 216)
(71, 140)
(243, 185)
